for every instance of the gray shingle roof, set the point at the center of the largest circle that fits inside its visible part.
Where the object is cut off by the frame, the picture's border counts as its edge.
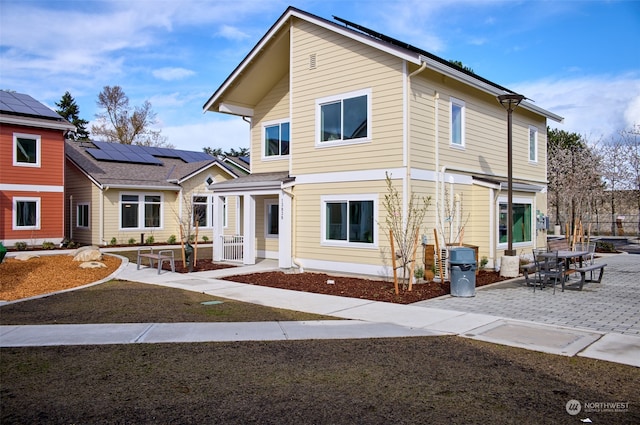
(122, 174)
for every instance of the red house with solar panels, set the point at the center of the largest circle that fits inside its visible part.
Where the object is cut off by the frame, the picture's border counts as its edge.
(31, 171)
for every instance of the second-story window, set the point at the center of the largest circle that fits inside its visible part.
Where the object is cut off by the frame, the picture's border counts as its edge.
(533, 144)
(26, 150)
(457, 123)
(344, 117)
(276, 139)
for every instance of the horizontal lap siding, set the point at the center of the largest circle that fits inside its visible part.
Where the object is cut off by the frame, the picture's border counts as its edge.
(51, 170)
(422, 132)
(169, 225)
(273, 107)
(343, 66)
(83, 191)
(51, 216)
(308, 227)
(485, 148)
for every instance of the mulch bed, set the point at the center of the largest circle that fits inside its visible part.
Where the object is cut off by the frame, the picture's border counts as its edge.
(354, 287)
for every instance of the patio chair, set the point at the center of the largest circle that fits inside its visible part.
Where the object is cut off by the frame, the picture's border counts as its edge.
(548, 268)
(590, 247)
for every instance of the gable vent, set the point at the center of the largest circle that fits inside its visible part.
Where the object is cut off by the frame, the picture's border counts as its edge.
(312, 61)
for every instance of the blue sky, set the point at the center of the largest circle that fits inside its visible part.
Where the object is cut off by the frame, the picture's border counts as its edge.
(578, 59)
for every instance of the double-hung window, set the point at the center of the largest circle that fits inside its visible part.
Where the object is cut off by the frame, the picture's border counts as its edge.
(457, 122)
(140, 211)
(26, 150)
(533, 144)
(349, 220)
(26, 213)
(82, 215)
(344, 118)
(522, 226)
(276, 139)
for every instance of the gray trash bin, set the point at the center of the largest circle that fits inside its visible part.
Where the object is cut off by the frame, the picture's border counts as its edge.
(462, 272)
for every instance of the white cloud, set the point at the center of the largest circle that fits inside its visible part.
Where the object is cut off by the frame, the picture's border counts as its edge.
(232, 33)
(214, 131)
(593, 106)
(171, 74)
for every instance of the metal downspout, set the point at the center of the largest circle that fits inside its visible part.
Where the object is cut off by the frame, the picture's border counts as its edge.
(406, 156)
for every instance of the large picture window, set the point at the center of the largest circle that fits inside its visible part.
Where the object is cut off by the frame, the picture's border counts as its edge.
(457, 123)
(26, 213)
(276, 139)
(522, 226)
(344, 118)
(349, 221)
(140, 211)
(26, 150)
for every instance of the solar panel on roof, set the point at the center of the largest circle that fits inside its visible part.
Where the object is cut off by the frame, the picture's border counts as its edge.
(25, 105)
(150, 159)
(98, 154)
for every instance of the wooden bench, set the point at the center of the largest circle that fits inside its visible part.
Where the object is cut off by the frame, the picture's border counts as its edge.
(590, 268)
(160, 257)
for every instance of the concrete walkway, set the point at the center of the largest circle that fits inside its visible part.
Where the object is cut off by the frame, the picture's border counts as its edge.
(600, 322)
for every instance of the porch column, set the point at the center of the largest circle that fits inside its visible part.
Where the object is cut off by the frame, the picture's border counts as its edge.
(218, 227)
(284, 232)
(249, 224)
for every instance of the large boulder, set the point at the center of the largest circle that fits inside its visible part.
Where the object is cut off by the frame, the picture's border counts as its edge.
(24, 256)
(87, 253)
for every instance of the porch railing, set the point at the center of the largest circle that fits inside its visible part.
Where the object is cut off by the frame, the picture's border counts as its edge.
(232, 247)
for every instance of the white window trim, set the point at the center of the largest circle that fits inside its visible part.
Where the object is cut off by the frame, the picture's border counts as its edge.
(267, 206)
(518, 200)
(38, 140)
(535, 130)
(463, 118)
(141, 204)
(346, 198)
(264, 141)
(88, 205)
(17, 199)
(210, 220)
(335, 98)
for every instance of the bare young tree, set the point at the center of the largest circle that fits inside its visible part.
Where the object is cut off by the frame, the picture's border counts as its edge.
(121, 124)
(615, 172)
(404, 228)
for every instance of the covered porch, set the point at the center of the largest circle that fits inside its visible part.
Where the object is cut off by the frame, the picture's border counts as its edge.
(264, 219)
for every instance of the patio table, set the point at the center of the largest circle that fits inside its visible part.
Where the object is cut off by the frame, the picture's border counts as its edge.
(567, 255)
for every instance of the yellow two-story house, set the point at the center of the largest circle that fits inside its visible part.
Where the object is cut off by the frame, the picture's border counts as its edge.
(334, 108)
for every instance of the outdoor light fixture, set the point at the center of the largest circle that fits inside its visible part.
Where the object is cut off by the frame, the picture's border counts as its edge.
(510, 102)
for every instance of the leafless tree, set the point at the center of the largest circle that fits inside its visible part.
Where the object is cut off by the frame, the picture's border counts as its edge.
(121, 124)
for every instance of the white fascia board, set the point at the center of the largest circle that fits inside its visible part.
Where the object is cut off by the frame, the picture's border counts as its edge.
(277, 27)
(136, 187)
(35, 122)
(227, 108)
(30, 188)
(195, 173)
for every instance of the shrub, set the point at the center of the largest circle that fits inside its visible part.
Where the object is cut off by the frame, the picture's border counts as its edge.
(71, 244)
(172, 239)
(418, 272)
(483, 262)
(150, 240)
(205, 239)
(131, 241)
(602, 246)
(48, 245)
(21, 246)
(113, 241)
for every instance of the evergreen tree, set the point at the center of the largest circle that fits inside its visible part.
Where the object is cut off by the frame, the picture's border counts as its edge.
(69, 110)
